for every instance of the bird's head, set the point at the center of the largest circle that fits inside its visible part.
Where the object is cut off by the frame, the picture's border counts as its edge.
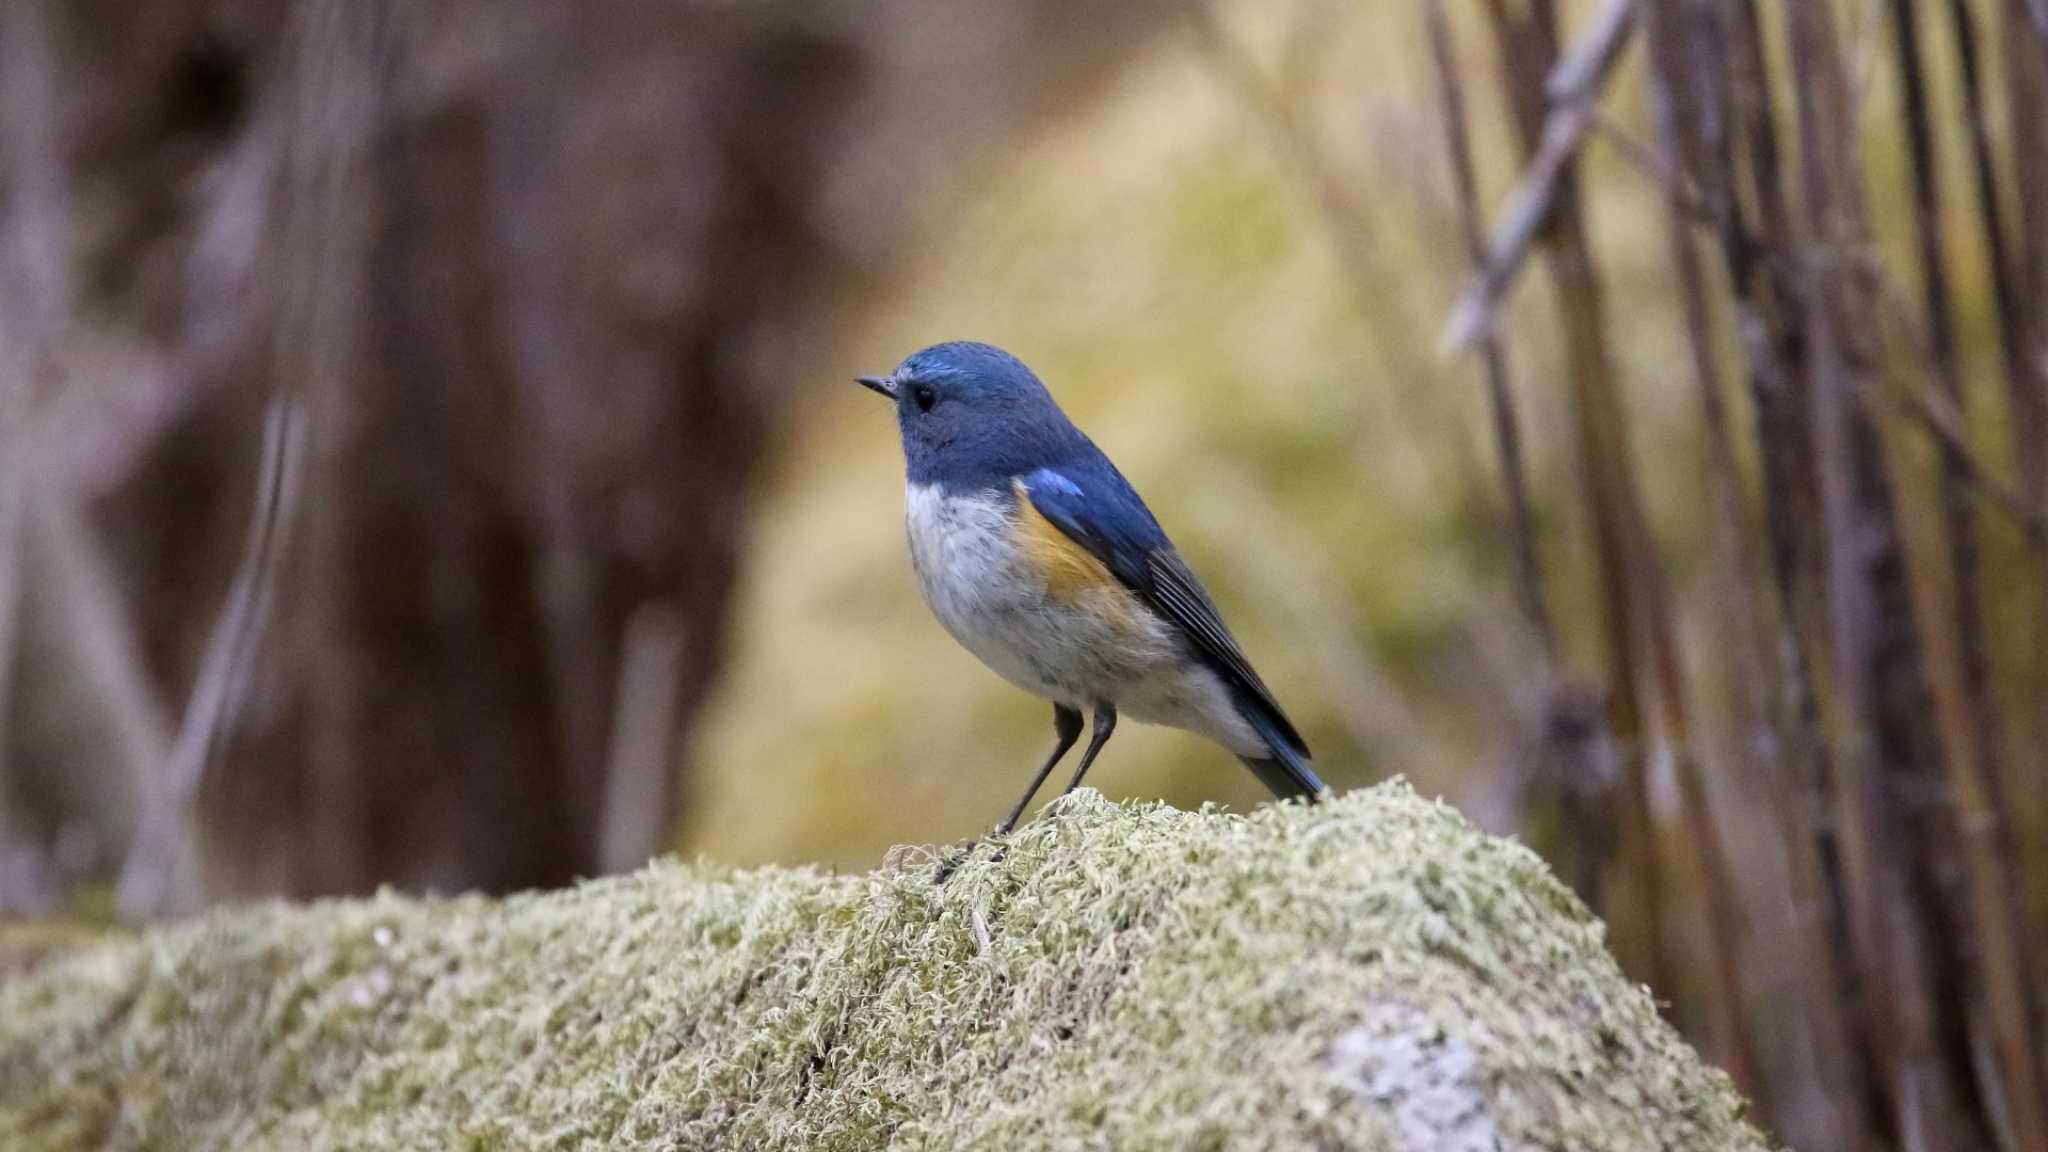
(973, 415)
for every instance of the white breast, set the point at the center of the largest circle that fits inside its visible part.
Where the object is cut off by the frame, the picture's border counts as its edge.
(972, 576)
(1077, 652)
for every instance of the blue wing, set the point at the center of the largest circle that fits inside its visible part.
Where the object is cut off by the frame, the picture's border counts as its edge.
(1097, 508)
(1105, 517)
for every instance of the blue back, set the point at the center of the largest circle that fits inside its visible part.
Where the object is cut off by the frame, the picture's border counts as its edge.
(975, 419)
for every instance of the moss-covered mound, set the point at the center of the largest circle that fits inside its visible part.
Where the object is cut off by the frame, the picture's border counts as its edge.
(1370, 974)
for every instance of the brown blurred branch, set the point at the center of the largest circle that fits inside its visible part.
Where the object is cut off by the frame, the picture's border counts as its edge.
(644, 751)
(1528, 49)
(25, 106)
(2026, 383)
(1912, 918)
(2017, 244)
(1966, 711)
(1675, 116)
(1507, 431)
(24, 883)
(82, 734)
(1937, 416)
(1681, 192)
(1687, 81)
(1739, 145)
(1572, 90)
(164, 874)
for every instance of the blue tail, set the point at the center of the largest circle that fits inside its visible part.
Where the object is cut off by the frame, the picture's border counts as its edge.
(1286, 773)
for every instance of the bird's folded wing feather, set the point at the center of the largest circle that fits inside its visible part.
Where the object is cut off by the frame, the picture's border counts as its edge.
(1109, 520)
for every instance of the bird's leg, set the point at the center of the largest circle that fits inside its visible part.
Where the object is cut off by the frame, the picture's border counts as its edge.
(1066, 726)
(1105, 724)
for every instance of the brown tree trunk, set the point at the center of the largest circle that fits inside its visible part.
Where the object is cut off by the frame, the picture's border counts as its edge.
(535, 281)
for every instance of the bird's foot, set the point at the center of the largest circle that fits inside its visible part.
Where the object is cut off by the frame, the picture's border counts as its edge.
(952, 863)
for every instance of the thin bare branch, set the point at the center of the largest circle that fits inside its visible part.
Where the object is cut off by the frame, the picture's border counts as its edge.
(61, 607)
(1938, 416)
(25, 100)
(2026, 378)
(1674, 117)
(1583, 69)
(1507, 432)
(1621, 539)
(163, 873)
(643, 744)
(24, 887)
(1912, 914)
(2021, 292)
(1574, 89)
(1678, 187)
(1943, 424)
(1739, 128)
(1966, 711)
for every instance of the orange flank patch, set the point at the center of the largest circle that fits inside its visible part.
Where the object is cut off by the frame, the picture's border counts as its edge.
(1069, 572)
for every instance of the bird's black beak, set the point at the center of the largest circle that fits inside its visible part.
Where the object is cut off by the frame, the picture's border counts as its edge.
(882, 384)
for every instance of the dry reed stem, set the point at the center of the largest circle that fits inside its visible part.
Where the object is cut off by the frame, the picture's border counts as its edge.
(1529, 54)
(1507, 433)
(1567, 98)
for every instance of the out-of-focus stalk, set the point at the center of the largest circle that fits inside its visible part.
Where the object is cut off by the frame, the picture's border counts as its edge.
(1967, 714)
(1528, 46)
(1507, 429)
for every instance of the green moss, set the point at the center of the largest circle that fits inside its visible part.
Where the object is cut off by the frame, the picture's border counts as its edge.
(1370, 974)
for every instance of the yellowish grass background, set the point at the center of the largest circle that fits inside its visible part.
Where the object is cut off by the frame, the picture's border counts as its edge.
(1161, 259)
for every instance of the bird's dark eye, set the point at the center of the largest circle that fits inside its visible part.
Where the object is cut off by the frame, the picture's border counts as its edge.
(923, 397)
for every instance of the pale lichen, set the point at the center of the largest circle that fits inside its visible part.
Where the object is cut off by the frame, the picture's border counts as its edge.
(1371, 974)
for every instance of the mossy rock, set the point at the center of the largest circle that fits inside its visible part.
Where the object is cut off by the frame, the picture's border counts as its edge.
(26, 946)
(1372, 973)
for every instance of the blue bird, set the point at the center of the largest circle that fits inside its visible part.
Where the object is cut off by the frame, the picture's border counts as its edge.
(1038, 556)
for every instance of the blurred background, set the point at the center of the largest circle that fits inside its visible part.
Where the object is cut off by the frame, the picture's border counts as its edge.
(428, 456)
